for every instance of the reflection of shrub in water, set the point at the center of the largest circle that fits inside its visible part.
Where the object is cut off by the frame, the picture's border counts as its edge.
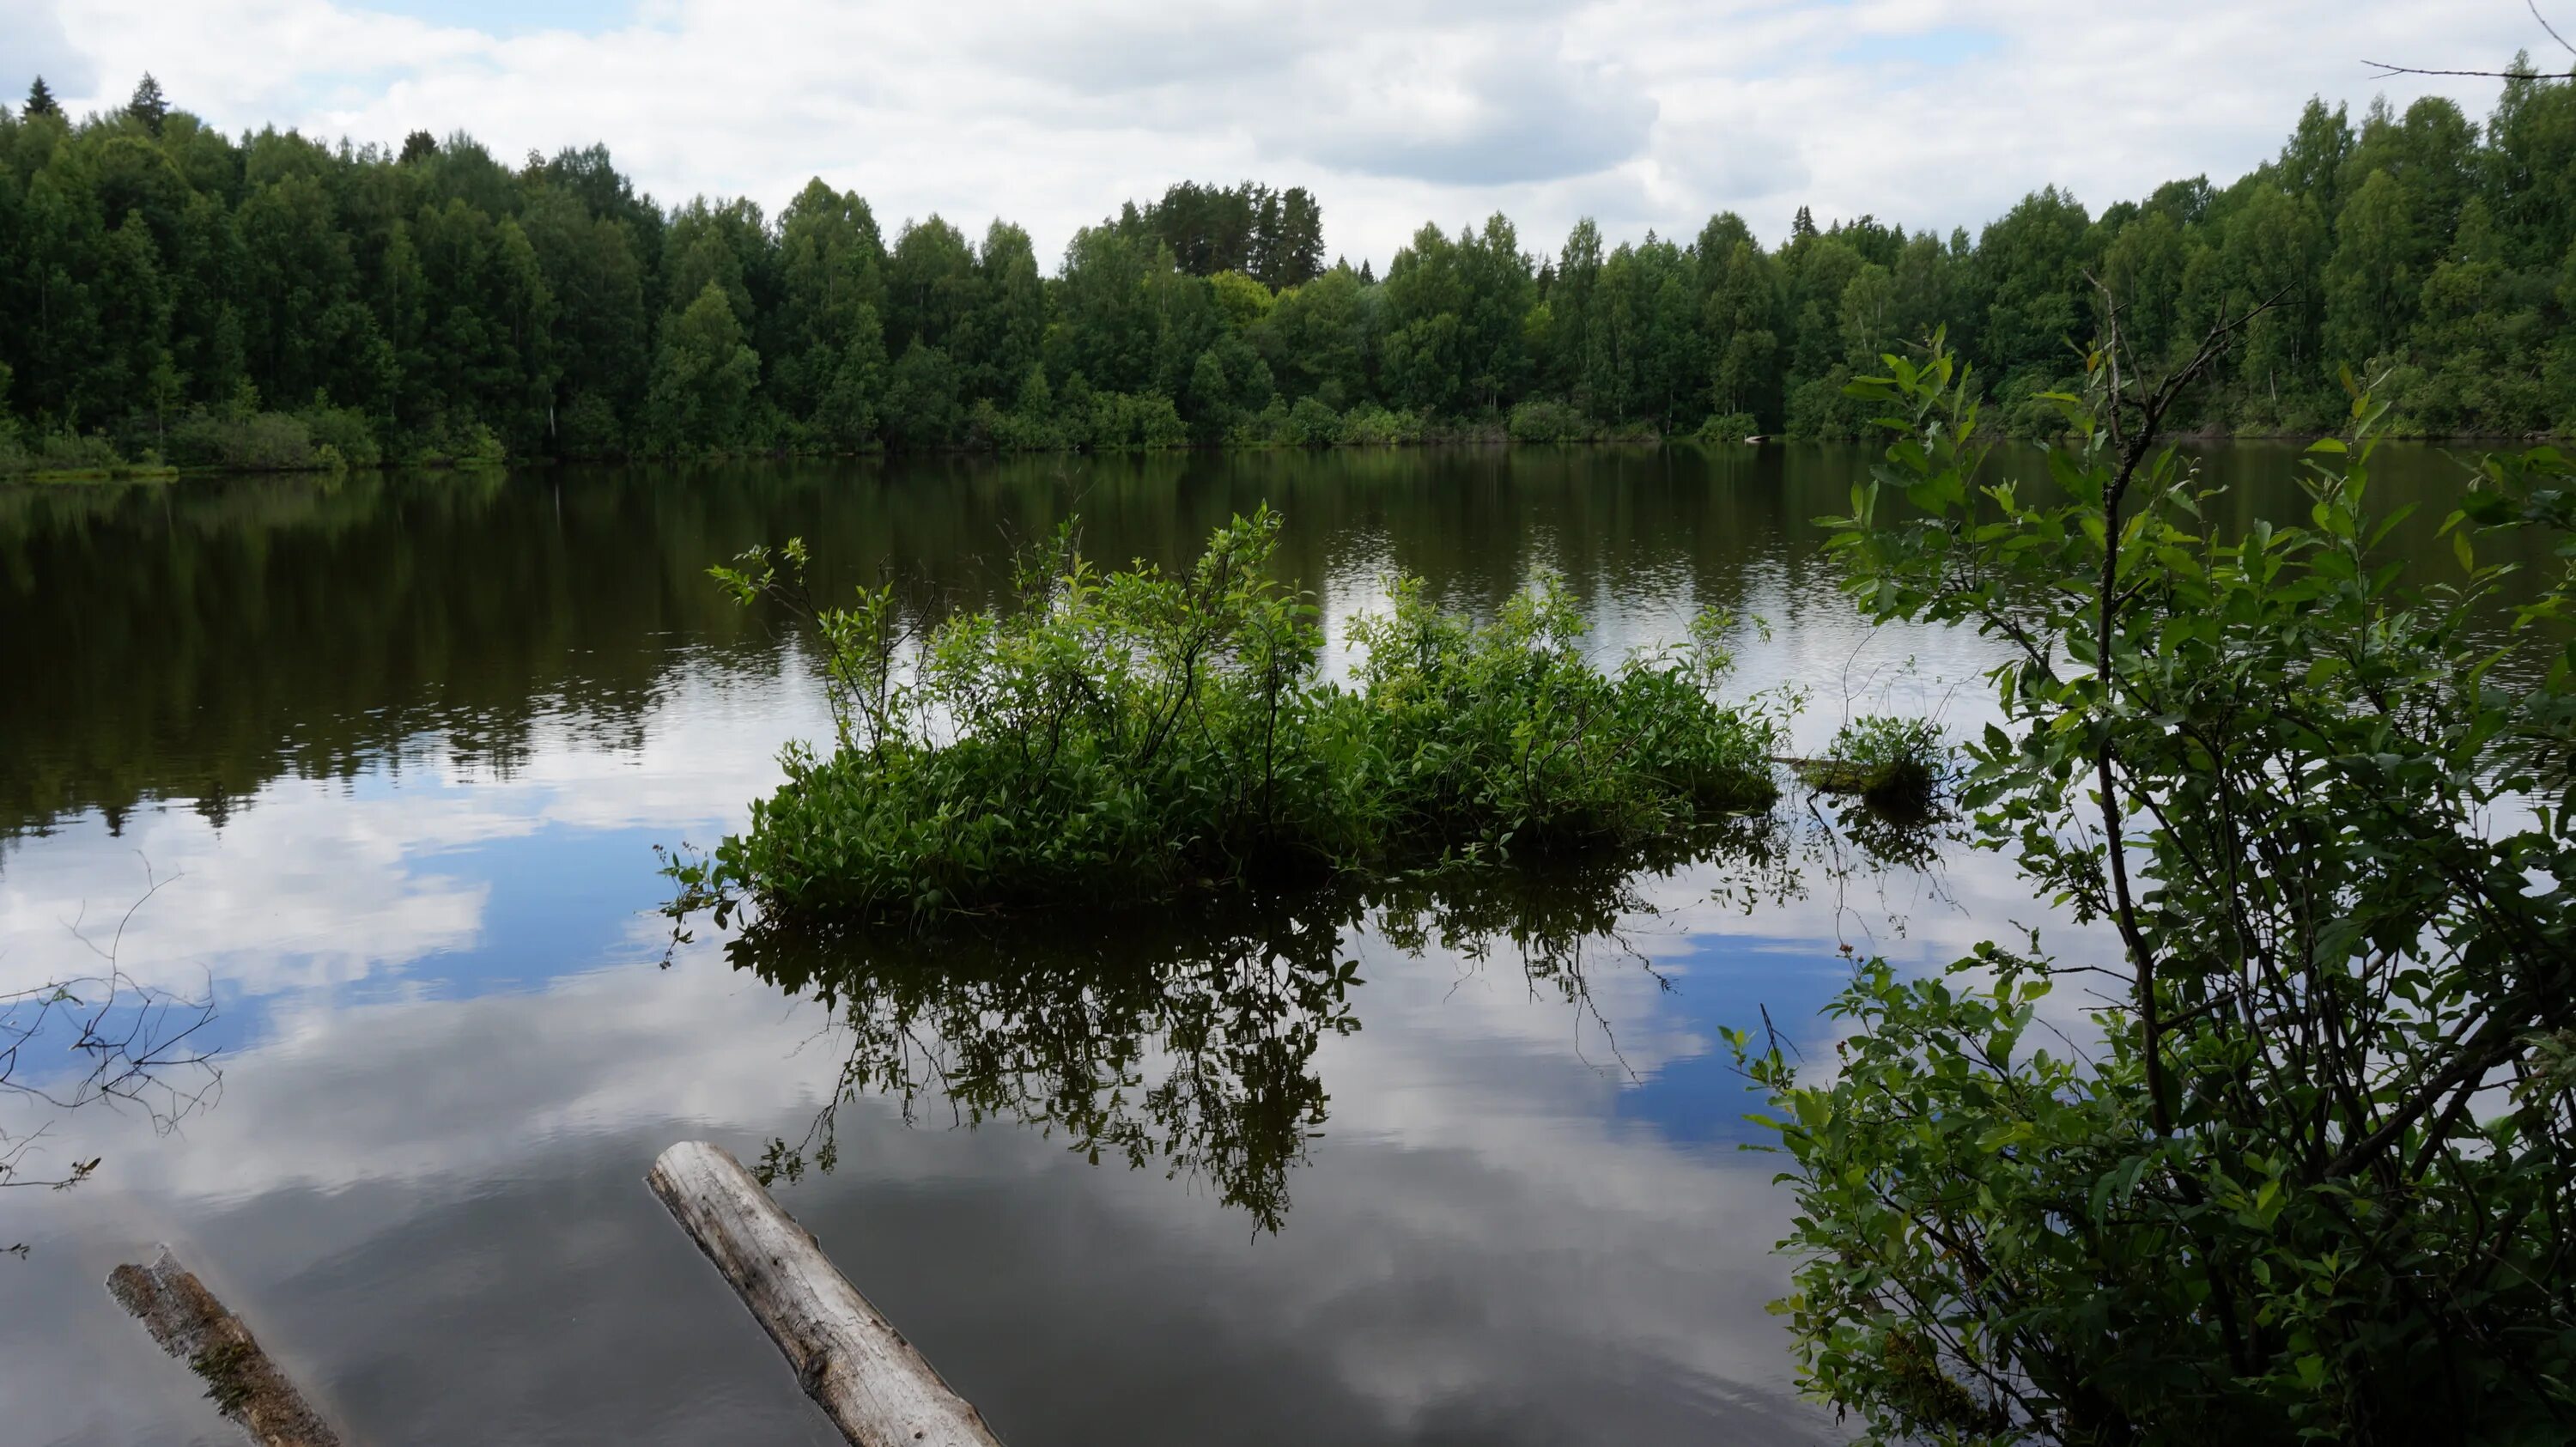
(1184, 1038)
(1896, 838)
(1179, 1040)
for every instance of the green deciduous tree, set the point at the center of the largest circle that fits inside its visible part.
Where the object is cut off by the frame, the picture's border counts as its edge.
(924, 405)
(2028, 278)
(832, 267)
(1105, 325)
(931, 285)
(705, 376)
(1316, 339)
(1003, 332)
(2371, 282)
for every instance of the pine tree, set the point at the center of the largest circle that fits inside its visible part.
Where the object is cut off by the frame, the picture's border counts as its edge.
(149, 105)
(418, 146)
(40, 100)
(1804, 226)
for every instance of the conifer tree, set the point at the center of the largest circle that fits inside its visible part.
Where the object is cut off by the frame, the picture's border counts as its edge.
(149, 105)
(40, 100)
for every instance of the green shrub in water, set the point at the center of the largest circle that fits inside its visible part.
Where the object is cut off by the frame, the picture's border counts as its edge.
(1892, 763)
(1119, 738)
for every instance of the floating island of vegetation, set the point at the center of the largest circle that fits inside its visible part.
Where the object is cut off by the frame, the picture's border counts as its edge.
(1119, 739)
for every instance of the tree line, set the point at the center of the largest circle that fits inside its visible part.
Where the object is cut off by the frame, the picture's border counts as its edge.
(171, 294)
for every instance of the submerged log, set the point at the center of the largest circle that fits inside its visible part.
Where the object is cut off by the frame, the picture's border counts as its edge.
(872, 1383)
(190, 1324)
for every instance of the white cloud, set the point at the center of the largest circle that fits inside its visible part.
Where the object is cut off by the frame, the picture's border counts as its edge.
(1461, 111)
(32, 43)
(1645, 112)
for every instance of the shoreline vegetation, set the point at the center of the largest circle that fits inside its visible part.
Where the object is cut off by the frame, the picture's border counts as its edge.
(150, 470)
(179, 299)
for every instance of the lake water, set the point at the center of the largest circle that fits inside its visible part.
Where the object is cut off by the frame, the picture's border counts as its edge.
(397, 751)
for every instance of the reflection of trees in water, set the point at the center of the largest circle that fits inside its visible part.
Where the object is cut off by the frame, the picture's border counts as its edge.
(1186, 1039)
(199, 640)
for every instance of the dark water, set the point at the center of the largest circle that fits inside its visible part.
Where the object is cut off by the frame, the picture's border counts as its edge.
(400, 748)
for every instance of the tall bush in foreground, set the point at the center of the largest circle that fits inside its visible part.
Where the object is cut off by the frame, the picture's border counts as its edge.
(2308, 1176)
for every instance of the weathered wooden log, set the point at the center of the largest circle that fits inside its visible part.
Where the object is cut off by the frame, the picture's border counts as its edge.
(190, 1324)
(875, 1387)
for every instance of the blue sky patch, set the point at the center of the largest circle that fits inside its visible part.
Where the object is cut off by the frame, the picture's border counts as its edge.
(1727, 981)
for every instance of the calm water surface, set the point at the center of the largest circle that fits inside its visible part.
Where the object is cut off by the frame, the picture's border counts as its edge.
(400, 749)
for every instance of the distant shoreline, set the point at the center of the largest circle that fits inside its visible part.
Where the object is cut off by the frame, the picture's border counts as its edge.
(1461, 441)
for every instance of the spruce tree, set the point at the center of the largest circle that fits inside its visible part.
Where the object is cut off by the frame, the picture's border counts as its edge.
(40, 100)
(149, 105)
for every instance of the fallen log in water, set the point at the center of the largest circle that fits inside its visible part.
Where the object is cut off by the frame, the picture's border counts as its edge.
(184, 1317)
(875, 1387)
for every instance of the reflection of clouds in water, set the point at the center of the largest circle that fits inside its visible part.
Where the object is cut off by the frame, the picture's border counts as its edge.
(309, 889)
(319, 883)
(1472, 1227)
(706, 748)
(421, 1090)
(1508, 1216)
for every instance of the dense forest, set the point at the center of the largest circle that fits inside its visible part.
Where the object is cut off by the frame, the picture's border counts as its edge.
(170, 295)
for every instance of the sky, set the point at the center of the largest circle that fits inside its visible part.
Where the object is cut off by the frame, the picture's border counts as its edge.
(1644, 114)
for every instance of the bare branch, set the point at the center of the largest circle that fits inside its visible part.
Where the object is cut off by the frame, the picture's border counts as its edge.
(138, 1041)
(2386, 70)
(2534, 7)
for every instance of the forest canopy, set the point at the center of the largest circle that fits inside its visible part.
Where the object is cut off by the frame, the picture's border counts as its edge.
(172, 294)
